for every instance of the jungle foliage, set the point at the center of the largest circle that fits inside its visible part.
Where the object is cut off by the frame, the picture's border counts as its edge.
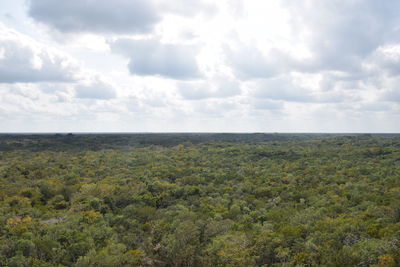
(199, 200)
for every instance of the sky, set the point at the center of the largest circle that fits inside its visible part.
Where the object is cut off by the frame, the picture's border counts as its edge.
(200, 66)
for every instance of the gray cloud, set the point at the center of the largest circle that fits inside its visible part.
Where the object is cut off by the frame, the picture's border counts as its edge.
(281, 88)
(214, 108)
(390, 90)
(331, 81)
(150, 57)
(386, 59)
(187, 8)
(101, 16)
(265, 104)
(23, 60)
(375, 107)
(215, 88)
(342, 34)
(96, 90)
(392, 95)
(116, 16)
(249, 62)
(285, 88)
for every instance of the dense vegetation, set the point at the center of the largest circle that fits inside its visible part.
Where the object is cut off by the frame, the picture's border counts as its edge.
(199, 200)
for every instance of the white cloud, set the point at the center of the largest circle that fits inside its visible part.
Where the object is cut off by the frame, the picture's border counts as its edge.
(265, 104)
(340, 34)
(22, 59)
(217, 87)
(157, 65)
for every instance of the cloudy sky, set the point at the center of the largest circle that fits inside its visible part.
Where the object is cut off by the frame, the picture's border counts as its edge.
(199, 66)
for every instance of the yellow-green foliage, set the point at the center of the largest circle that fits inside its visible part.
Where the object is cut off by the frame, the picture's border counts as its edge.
(199, 200)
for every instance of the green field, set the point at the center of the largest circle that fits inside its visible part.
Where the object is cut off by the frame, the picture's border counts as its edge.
(199, 200)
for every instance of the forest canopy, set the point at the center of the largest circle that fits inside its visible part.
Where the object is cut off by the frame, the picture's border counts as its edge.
(199, 200)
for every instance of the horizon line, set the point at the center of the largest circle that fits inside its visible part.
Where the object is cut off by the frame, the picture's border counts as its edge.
(186, 132)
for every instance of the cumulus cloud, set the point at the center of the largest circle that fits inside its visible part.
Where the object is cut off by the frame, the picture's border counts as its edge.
(375, 106)
(265, 104)
(351, 47)
(334, 35)
(101, 16)
(187, 7)
(22, 59)
(385, 58)
(392, 95)
(22, 100)
(312, 65)
(281, 88)
(96, 90)
(151, 57)
(249, 62)
(24, 107)
(215, 108)
(115, 17)
(340, 80)
(288, 88)
(389, 89)
(219, 87)
(339, 35)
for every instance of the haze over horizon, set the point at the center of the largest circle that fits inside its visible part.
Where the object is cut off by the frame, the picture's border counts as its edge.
(200, 66)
